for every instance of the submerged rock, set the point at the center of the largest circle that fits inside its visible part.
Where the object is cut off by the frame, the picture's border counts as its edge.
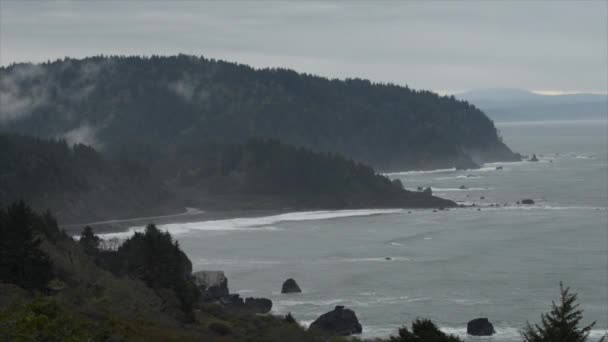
(290, 286)
(480, 327)
(462, 187)
(499, 168)
(339, 321)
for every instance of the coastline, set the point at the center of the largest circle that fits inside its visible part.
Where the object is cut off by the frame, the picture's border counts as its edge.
(123, 225)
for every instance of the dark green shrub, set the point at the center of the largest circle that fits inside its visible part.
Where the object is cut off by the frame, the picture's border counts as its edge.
(423, 330)
(220, 328)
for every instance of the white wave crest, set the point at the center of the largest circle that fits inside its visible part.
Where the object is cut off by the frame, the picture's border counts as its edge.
(458, 189)
(459, 177)
(263, 223)
(404, 173)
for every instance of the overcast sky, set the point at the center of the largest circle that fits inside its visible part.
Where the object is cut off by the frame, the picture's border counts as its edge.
(444, 46)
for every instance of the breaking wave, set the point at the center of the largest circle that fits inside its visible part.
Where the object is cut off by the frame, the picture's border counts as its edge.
(263, 223)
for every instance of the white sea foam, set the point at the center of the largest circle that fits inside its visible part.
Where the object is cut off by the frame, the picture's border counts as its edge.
(459, 189)
(502, 334)
(505, 334)
(405, 173)
(459, 177)
(233, 262)
(263, 223)
(371, 259)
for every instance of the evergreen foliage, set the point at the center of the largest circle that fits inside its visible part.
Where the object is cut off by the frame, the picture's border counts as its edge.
(155, 258)
(89, 241)
(561, 324)
(21, 260)
(140, 107)
(423, 330)
(80, 184)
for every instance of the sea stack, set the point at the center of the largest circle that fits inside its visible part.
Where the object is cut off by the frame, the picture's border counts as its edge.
(290, 286)
(339, 321)
(480, 327)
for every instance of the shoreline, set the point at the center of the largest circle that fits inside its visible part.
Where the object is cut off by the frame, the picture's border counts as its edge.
(195, 215)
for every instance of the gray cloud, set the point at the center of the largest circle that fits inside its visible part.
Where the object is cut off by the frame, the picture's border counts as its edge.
(435, 45)
(17, 101)
(85, 134)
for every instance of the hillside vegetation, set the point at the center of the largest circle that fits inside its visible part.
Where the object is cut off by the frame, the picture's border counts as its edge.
(144, 107)
(80, 184)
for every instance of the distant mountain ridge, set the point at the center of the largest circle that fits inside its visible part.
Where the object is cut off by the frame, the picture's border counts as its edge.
(507, 104)
(145, 107)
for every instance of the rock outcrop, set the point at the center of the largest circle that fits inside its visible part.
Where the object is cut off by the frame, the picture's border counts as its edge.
(214, 289)
(428, 191)
(290, 286)
(339, 321)
(212, 284)
(480, 327)
(250, 305)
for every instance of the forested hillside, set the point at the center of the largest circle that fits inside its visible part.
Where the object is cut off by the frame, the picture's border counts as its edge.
(145, 107)
(78, 183)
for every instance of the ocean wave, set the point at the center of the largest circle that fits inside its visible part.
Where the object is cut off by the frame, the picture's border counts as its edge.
(504, 333)
(371, 259)
(263, 223)
(233, 262)
(544, 207)
(421, 172)
(459, 177)
(459, 189)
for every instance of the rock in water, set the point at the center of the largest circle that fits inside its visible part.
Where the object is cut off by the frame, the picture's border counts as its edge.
(251, 305)
(499, 168)
(533, 159)
(462, 187)
(428, 191)
(258, 305)
(212, 284)
(290, 286)
(480, 327)
(339, 321)
(527, 201)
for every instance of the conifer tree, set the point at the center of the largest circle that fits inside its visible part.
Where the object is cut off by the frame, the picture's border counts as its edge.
(561, 324)
(21, 260)
(423, 330)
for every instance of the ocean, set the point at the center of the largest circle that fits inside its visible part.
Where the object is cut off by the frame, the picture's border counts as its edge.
(500, 262)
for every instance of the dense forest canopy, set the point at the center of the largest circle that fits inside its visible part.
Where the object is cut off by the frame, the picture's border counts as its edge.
(78, 183)
(144, 107)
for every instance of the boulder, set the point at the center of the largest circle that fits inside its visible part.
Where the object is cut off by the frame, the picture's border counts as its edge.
(252, 305)
(527, 201)
(290, 286)
(533, 159)
(480, 327)
(258, 305)
(339, 321)
(212, 284)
